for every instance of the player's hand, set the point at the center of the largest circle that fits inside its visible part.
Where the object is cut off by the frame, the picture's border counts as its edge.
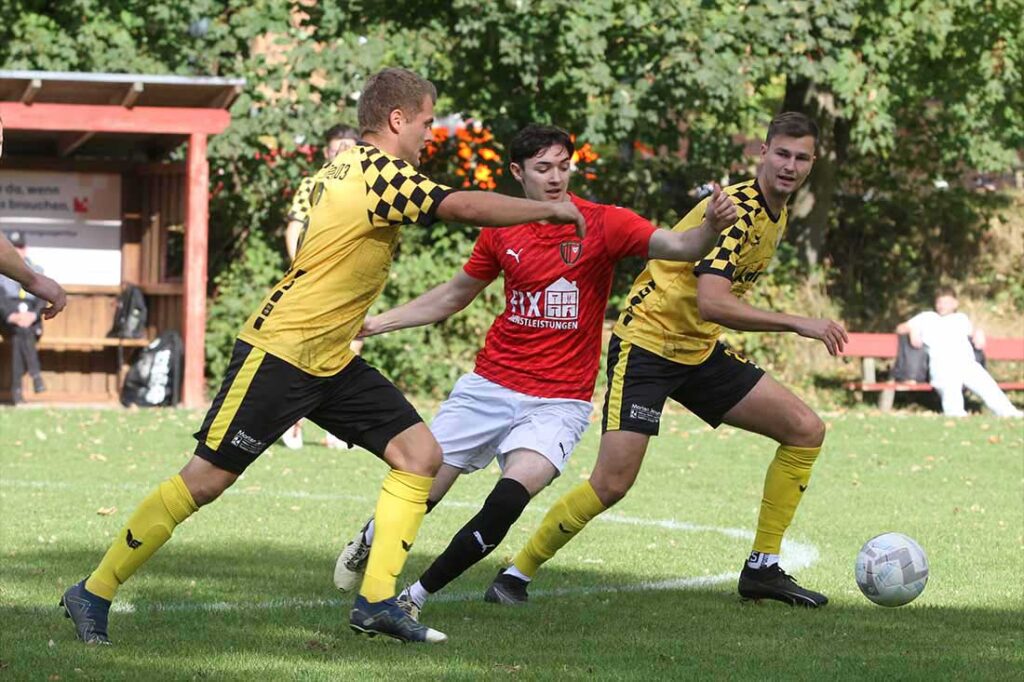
(45, 288)
(371, 327)
(829, 332)
(721, 211)
(563, 212)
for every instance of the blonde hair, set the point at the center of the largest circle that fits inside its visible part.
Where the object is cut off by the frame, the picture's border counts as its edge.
(390, 89)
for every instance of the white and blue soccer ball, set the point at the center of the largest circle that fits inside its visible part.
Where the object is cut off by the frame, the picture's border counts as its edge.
(891, 569)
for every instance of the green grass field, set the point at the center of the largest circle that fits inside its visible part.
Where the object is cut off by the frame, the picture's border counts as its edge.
(244, 591)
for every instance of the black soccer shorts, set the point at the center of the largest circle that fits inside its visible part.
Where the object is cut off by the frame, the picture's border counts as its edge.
(262, 396)
(639, 382)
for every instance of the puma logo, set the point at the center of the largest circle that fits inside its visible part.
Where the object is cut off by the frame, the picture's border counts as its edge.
(132, 542)
(803, 488)
(510, 252)
(484, 547)
(563, 529)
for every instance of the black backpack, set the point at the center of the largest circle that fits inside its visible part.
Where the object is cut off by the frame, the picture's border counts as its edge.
(130, 317)
(154, 379)
(911, 363)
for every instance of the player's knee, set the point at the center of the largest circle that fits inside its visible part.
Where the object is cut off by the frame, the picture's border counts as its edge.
(206, 481)
(209, 488)
(423, 458)
(808, 430)
(610, 489)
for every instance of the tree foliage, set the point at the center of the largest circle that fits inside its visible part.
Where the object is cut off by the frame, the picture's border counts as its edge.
(906, 92)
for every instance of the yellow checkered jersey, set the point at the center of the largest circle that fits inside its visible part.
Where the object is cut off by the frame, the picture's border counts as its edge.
(300, 202)
(357, 203)
(661, 314)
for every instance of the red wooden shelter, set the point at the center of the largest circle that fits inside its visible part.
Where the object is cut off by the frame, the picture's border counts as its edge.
(125, 126)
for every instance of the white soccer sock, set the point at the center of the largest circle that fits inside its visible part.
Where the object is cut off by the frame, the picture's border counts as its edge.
(762, 560)
(418, 594)
(516, 573)
(368, 533)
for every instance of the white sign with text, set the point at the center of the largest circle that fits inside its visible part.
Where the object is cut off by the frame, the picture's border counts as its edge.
(71, 222)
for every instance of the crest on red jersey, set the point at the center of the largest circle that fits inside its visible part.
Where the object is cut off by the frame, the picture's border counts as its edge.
(571, 252)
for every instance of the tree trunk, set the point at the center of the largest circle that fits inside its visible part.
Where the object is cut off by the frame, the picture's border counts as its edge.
(811, 208)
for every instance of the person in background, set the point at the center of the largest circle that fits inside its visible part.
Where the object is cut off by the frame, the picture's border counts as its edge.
(950, 339)
(21, 324)
(338, 138)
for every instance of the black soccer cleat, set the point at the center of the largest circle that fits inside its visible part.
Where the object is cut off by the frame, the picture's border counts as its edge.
(772, 582)
(88, 612)
(389, 619)
(507, 589)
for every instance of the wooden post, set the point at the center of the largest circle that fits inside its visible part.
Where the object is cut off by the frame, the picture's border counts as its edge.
(197, 180)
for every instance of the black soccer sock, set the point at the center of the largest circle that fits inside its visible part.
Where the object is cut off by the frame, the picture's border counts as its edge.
(479, 536)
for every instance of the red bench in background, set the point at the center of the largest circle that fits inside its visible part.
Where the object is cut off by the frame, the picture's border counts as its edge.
(870, 347)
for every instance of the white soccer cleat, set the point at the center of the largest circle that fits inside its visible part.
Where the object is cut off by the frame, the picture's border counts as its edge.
(348, 572)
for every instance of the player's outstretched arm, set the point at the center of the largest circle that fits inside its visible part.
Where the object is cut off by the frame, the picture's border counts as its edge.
(438, 304)
(692, 245)
(717, 304)
(39, 285)
(497, 210)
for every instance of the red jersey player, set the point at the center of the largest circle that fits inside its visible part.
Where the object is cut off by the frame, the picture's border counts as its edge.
(528, 400)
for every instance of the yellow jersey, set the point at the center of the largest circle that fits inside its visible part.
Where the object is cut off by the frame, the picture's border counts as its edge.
(661, 314)
(357, 202)
(300, 207)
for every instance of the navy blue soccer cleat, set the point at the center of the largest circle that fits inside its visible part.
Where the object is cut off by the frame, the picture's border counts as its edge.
(388, 618)
(88, 612)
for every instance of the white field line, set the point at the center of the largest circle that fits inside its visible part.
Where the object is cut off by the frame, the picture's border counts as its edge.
(797, 555)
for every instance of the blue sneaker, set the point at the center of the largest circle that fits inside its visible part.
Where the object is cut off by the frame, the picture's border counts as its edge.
(88, 612)
(387, 618)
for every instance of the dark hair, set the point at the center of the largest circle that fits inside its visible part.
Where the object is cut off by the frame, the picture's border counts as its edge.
(945, 291)
(390, 89)
(792, 124)
(340, 132)
(534, 139)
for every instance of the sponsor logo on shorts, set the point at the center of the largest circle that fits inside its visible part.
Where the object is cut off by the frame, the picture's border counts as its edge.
(244, 441)
(642, 413)
(556, 307)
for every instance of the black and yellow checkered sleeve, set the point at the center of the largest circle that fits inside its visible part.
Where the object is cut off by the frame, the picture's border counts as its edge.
(722, 259)
(397, 194)
(300, 202)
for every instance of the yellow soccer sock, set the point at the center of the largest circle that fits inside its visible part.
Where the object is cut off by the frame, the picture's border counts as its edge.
(400, 509)
(564, 520)
(147, 530)
(784, 485)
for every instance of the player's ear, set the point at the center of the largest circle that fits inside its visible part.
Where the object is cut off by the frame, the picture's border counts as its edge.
(396, 120)
(516, 170)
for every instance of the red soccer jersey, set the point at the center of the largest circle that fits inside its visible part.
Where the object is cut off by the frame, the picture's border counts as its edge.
(547, 342)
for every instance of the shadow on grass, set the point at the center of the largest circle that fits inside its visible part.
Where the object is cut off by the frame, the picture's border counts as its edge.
(265, 610)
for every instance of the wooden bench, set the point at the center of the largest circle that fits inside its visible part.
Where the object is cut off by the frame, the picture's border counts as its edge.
(871, 347)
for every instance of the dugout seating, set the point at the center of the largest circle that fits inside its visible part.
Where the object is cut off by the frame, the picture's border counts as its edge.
(872, 347)
(80, 362)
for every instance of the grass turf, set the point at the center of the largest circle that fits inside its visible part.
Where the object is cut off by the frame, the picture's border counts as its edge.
(244, 590)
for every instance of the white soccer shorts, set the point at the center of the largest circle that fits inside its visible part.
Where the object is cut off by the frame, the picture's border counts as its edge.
(482, 420)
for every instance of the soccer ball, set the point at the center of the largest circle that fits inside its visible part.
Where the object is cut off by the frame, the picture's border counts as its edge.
(891, 569)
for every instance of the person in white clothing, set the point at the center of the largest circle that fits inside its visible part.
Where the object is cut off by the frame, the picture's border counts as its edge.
(950, 339)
